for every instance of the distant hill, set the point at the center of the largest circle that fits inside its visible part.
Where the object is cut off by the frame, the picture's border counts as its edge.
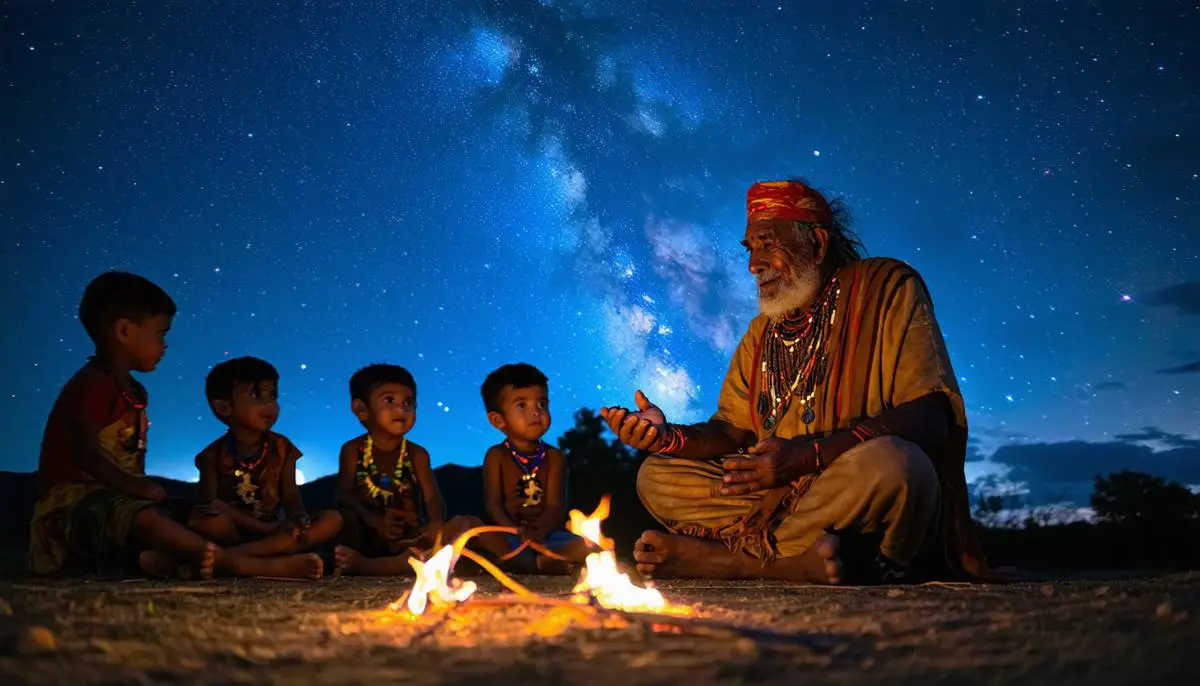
(462, 489)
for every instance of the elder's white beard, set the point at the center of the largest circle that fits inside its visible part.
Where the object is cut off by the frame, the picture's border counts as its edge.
(796, 293)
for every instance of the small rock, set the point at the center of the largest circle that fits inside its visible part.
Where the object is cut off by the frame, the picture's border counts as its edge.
(1102, 591)
(895, 593)
(1164, 610)
(36, 639)
(1048, 590)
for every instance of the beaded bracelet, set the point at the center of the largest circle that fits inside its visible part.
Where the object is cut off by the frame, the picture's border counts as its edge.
(673, 439)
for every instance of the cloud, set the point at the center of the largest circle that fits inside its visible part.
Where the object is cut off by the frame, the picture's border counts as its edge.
(1183, 297)
(1189, 368)
(1155, 437)
(1078, 462)
(698, 282)
(975, 450)
(627, 331)
(1110, 386)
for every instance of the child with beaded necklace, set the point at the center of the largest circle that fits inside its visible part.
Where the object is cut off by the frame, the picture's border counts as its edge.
(384, 479)
(524, 479)
(248, 475)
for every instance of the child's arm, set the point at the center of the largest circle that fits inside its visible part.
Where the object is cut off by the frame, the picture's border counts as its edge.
(554, 503)
(435, 509)
(210, 495)
(493, 489)
(100, 468)
(348, 486)
(289, 492)
(207, 466)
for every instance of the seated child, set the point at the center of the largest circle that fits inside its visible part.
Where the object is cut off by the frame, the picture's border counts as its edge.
(524, 479)
(248, 475)
(95, 504)
(383, 479)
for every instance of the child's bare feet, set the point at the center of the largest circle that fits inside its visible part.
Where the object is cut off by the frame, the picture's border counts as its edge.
(208, 561)
(550, 565)
(350, 561)
(303, 566)
(156, 564)
(345, 560)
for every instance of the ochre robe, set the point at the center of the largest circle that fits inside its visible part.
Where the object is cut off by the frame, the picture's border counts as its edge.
(885, 349)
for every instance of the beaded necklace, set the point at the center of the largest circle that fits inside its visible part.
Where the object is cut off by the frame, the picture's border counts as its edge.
(138, 406)
(529, 464)
(384, 486)
(243, 467)
(794, 358)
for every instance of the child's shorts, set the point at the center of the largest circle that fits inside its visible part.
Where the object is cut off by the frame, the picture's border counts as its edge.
(98, 531)
(363, 538)
(526, 561)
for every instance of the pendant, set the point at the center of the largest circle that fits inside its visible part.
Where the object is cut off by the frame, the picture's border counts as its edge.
(246, 490)
(532, 490)
(385, 480)
(809, 416)
(769, 423)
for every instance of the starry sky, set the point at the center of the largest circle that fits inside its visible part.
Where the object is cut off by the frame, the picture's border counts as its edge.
(453, 186)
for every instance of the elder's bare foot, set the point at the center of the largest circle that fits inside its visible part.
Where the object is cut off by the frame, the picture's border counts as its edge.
(662, 556)
(667, 556)
(820, 564)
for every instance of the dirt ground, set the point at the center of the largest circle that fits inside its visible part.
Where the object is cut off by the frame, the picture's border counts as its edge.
(339, 631)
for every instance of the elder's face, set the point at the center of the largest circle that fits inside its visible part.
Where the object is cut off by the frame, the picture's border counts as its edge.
(785, 262)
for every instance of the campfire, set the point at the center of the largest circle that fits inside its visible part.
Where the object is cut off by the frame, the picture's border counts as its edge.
(604, 597)
(602, 586)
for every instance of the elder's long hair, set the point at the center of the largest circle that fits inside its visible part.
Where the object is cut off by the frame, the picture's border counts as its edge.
(844, 244)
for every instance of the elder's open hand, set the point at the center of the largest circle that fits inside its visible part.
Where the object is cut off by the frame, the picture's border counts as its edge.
(641, 430)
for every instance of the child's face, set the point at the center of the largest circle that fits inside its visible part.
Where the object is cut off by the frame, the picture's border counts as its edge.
(144, 342)
(524, 412)
(391, 408)
(254, 407)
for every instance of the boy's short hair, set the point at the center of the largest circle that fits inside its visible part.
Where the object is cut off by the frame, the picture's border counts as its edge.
(121, 295)
(373, 376)
(225, 376)
(519, 375)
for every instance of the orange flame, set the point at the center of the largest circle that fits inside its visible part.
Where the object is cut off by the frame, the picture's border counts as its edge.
(602, 580)
(434, 583)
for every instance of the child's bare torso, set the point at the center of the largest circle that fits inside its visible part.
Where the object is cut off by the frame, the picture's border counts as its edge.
(523, 495)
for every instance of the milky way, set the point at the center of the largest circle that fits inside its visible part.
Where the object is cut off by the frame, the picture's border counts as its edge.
(563, 183)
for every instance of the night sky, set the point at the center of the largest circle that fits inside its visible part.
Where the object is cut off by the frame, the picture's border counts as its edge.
(563, 183)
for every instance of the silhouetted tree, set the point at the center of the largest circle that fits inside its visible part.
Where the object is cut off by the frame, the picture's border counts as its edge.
(1128, 497)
